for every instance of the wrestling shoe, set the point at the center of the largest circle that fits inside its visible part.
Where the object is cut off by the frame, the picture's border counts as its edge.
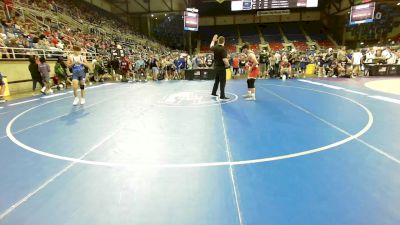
(76, 101)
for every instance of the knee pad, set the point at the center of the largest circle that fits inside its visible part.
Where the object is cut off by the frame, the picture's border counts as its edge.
(82, 87)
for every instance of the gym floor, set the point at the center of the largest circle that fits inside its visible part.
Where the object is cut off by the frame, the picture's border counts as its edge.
(307, 152)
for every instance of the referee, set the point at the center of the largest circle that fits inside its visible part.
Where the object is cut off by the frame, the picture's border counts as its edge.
(221, 63)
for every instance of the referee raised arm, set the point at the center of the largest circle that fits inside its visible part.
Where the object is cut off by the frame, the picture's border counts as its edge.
(221, 63)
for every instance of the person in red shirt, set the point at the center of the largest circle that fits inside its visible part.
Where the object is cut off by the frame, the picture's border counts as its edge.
(8, 6)
(285, 68)
(47, 33)
(253, 74)
(235, 65)
(54, 41)
(125, 68)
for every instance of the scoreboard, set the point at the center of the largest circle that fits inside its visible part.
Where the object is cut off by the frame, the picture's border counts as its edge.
(191, 19)
(239, 5)
(362, 13)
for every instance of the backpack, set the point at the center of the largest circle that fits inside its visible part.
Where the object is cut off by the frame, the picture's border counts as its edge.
(59, 70)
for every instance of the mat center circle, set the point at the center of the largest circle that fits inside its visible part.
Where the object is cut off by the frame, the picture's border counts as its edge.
(192, 99)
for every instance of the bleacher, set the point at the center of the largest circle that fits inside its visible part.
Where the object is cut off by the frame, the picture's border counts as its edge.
(249, 33)
(293, 32)
(272, 36)
(271, 33)
(316, 33)
(276, 46)
(86, 32)
(206, 34)
(205, 46)
(326, 44)
(300, 46)
(228, 31)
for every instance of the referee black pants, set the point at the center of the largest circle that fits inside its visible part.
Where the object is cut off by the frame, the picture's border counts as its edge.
(220, 78)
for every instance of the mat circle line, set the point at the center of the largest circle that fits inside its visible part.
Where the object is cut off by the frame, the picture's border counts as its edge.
(197, 165)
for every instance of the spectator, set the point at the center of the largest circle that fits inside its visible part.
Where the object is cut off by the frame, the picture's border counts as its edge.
(357, 61)
(60, 70)
(285, 68)
(2, 88)
(154, 67)
(125, 68)
(44, 70)
(3, 51)
(98, 69)
(370, 56)
(34, 70)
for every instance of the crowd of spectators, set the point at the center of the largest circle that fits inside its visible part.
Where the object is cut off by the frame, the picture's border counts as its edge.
(330, 62)
(124, 55)
(170, 31)
(98, 31)
(99, 34)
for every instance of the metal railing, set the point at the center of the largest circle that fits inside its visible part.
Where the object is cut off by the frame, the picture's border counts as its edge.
(21, 53)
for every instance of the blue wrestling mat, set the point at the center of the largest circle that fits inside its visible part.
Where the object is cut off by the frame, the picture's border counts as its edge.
(307, 152)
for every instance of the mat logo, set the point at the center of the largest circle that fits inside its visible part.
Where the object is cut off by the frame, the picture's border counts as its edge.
(188, 99)
(191, 99)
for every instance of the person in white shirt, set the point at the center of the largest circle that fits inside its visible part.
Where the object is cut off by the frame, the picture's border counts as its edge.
(194, 63)
(370, 56)
(392, 58)
(357, 60)
(398, 56)
(3, 51)
(386, 53)
(189, 64)
(278, 59)
(60, 45)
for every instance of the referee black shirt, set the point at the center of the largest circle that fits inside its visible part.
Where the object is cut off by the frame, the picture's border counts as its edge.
(219, 54)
